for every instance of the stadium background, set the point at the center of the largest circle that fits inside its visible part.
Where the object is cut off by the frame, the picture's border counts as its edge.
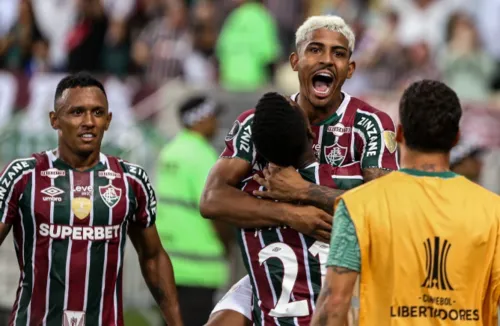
(398, 41)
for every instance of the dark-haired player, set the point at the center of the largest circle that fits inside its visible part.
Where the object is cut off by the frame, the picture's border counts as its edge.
(71, 209)
(274, 256)
(424, 240)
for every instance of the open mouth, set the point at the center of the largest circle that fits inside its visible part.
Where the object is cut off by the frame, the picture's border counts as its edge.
(322, 83)
(87, 136)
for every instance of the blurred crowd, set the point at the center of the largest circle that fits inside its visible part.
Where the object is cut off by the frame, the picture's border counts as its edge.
(244, 44)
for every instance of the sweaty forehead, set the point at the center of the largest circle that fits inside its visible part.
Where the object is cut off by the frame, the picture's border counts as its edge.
(328, 38)
(87, 97)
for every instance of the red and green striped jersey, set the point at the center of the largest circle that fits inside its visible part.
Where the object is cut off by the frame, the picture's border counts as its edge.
(286, 267)
(70, 230)
(356, 132)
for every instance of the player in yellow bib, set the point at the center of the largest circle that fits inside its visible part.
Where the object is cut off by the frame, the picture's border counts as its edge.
(424, 240)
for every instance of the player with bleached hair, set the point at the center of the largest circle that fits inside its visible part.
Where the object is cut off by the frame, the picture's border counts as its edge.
(284, 282)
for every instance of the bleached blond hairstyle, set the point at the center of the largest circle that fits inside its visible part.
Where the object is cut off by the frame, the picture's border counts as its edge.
(332, 23)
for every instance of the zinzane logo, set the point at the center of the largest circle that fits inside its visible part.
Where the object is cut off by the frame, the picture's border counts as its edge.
(436, 258)
(74, 318)
(141, 174)
(373, 136)
(245, 139)
(10, 176)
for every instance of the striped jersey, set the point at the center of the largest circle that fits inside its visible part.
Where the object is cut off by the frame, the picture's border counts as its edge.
(70, 230)
(286, 267)
(356, 132)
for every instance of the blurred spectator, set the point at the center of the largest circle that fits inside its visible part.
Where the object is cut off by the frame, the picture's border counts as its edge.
(115, 57)
(419, 64)
(85, 41)
(56, 18)
(465, 159)
(248, 47)
(200, 67)
(164, 44)
(289, 16)
(488, 23)
(196, 246)
(423, 20)
(379, 56)
(465, 66)
(17, 45)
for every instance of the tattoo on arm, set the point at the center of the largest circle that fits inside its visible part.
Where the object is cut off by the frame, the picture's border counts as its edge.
(322, 197)
(370, 174)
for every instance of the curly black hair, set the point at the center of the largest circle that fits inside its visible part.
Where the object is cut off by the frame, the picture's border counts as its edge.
(279, 130)
(430, 112)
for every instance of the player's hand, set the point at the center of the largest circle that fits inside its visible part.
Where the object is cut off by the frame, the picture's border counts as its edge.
(283, 184)
(311, 221)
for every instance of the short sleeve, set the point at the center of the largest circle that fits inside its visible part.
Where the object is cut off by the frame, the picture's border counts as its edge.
(376, 140)
(12, 182)
(145, 197)
(239, 139)
(344, 246)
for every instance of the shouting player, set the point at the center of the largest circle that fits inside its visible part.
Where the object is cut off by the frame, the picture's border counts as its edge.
(346, 129)
(71, 209)
(425, 240)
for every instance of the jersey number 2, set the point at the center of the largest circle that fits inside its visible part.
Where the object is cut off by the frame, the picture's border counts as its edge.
(285, 308)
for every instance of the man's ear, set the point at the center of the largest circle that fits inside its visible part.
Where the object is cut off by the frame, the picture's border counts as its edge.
(54, 121)
(294, 61)
(399, 134)
(457, 139)
(110, 117)
(351, 69)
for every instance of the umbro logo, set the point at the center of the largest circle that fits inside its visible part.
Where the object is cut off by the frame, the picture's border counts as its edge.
(52, 194)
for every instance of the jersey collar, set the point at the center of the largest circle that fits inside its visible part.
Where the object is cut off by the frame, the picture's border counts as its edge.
(53, 156)
(340, 111)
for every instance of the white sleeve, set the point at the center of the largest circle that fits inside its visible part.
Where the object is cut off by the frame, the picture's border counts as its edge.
(238, 298)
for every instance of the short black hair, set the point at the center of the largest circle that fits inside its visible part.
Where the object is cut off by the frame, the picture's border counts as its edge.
(79, 79)
(279, 130)
(430, 112)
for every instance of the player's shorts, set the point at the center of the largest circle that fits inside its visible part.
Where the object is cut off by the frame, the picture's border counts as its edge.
(238, 298)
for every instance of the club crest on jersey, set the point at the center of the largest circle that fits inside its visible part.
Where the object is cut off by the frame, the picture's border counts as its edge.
(390, 140)
(339, 129)
(53, 173)
(81, 207)
(74, 318)
(110, 195)
(335, 154)
(109, 174)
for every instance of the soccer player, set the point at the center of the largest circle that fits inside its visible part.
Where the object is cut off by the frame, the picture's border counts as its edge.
(346, 129)
(425, 241)
(70, 210)
(282, 135)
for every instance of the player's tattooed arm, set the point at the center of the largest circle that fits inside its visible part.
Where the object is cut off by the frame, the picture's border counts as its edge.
(370, 174)
(157, 271)
(334, 300)
(286, 184)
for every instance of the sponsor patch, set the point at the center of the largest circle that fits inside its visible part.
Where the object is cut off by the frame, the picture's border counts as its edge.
(53, 173)
(339, 129)
(81, 207)
(110, 195)
(109, 174)
(390, 140)
(234, 131)
(335, 154)
(73, 318)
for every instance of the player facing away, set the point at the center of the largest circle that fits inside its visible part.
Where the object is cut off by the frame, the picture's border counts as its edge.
(425, 240)
(285, 267)
(71, 210)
